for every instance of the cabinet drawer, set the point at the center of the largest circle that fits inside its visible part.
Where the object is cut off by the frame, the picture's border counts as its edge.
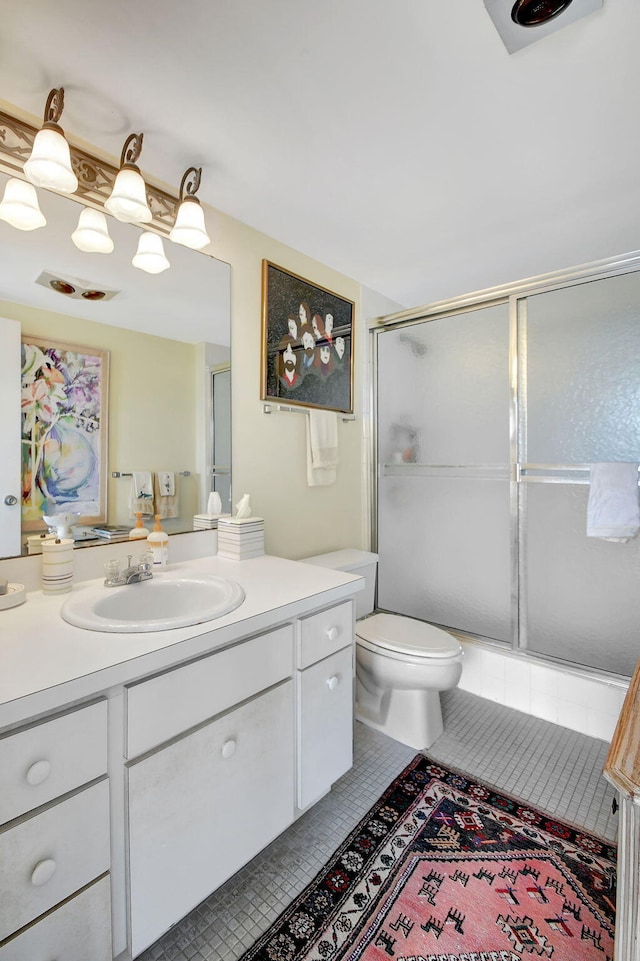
(44, 859)
(78, 930)
(172, 703)
(205, 805)
(42, 762)
(325, 725)
(322, 634)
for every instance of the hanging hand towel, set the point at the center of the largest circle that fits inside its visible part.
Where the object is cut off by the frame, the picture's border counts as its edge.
(165, 493)
(613, 509)
(141, 498)
(322, 447)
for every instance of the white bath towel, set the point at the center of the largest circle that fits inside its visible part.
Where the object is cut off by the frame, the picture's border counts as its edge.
(613, 509)
(165, 494)
(322, 447)
(141, 497)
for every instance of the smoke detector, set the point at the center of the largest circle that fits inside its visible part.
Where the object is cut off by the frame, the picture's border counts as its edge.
(73, 287)
(521, 22)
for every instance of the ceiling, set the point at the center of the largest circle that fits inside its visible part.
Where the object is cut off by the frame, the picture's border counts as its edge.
(394, 140)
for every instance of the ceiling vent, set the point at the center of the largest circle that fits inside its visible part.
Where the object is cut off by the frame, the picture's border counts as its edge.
(521, 22)
(73, 287)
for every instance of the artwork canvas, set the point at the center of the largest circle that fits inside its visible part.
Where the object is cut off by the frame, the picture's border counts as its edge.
(64, 431)
(307, 342)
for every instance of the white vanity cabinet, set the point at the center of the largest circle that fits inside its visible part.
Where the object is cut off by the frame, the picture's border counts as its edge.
(204, 804)
(54, 842)
(324, 709)
(139, 772)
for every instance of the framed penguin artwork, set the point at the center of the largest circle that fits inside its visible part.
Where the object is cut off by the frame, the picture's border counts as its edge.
(307, 342)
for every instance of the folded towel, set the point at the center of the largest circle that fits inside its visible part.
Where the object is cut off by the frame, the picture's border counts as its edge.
(141, 497)
(613, 509)
(322, 447)
(165, 494)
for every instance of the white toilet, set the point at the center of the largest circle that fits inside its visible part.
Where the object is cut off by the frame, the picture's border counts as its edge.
(402, 664)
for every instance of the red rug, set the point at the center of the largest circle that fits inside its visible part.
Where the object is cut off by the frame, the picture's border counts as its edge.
(444, 868)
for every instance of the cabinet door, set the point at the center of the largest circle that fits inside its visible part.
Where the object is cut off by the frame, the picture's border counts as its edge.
(325, 725)
(202, 807)
(79, 930)
(46, 858)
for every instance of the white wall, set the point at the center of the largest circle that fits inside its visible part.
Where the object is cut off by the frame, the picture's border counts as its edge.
(268, 450)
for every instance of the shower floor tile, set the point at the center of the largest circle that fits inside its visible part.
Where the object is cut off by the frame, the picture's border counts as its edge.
(556, 769)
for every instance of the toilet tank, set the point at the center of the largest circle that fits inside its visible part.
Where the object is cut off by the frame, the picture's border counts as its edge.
(353, 561)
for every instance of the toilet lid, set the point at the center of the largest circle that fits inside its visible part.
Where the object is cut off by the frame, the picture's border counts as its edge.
(405, 635)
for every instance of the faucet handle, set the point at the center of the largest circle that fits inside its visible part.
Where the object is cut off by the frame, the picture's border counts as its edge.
(112, 568)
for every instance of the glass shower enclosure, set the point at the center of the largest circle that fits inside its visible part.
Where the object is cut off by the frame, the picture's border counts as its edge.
(488, 419)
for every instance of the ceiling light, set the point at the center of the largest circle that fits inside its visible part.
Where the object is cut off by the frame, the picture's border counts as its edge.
(189, 228)
(50, 162)
(62, 287)
(128, 200)
(150, 254)
(20, 206)
(531, 13)
(92, 233)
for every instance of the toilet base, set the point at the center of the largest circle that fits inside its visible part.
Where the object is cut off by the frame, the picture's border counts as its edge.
(412, 717)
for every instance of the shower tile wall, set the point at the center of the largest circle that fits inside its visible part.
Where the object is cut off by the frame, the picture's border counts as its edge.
(544, 691)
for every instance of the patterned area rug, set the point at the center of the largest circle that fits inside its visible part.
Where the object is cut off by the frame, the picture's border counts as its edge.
(444, 868)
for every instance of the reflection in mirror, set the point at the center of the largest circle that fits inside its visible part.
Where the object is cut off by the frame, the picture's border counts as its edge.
(166, 336)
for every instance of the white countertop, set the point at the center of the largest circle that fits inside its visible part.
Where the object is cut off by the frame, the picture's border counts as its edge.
(45, 662)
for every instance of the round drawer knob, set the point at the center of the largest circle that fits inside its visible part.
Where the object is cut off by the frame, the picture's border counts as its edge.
(332, 682)
(38, 772)
(332, 633)
(43, 872)
(229, 748)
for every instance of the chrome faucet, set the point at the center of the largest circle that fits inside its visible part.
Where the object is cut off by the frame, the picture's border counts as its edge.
(133, 573)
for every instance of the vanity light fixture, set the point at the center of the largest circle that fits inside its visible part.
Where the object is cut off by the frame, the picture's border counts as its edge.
(49, 164)
(189, 228)
(92, 233)
(20, 206)
(150, 254)
(128, 200)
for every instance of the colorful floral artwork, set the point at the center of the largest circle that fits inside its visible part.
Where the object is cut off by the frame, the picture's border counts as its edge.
(64, 431)
(307, 348)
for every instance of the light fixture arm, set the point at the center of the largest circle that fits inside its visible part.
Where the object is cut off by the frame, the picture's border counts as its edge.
(54, 107)
(190, 187)
(131, 150)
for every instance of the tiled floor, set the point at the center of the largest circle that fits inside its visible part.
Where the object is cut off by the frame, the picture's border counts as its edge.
(549, 766)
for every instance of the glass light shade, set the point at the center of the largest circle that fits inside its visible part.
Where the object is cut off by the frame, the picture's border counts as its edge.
(189, 229)
(128, 200)
(92, 233)
(150, 254)
(20, 206)
(50, 162)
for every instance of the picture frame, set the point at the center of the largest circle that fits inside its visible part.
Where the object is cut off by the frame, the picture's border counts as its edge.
(64, 431)
(307, 342)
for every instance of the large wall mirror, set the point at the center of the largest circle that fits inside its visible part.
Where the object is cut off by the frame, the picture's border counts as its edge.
(167, 336)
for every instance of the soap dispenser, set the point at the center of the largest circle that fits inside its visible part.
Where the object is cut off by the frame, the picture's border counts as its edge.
(158, 541)
(138, 532)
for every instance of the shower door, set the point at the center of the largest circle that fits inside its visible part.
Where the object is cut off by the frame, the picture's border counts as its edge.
(488, 421)
(444, 492)
(579, 400)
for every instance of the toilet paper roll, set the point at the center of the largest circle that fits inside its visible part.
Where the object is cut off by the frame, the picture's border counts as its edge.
(57, 566)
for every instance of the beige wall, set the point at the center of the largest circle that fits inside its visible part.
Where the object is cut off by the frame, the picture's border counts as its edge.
(152, 385)
(269, 449)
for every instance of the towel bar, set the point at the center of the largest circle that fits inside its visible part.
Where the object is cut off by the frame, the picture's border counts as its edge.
(269, 409)
(118, 473)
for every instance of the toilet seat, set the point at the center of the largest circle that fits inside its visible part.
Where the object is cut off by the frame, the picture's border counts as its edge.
(405, 637)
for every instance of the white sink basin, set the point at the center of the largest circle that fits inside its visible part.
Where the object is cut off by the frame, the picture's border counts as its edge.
(159, 604)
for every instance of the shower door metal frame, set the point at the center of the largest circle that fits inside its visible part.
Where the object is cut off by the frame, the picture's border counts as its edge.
(521, 472)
